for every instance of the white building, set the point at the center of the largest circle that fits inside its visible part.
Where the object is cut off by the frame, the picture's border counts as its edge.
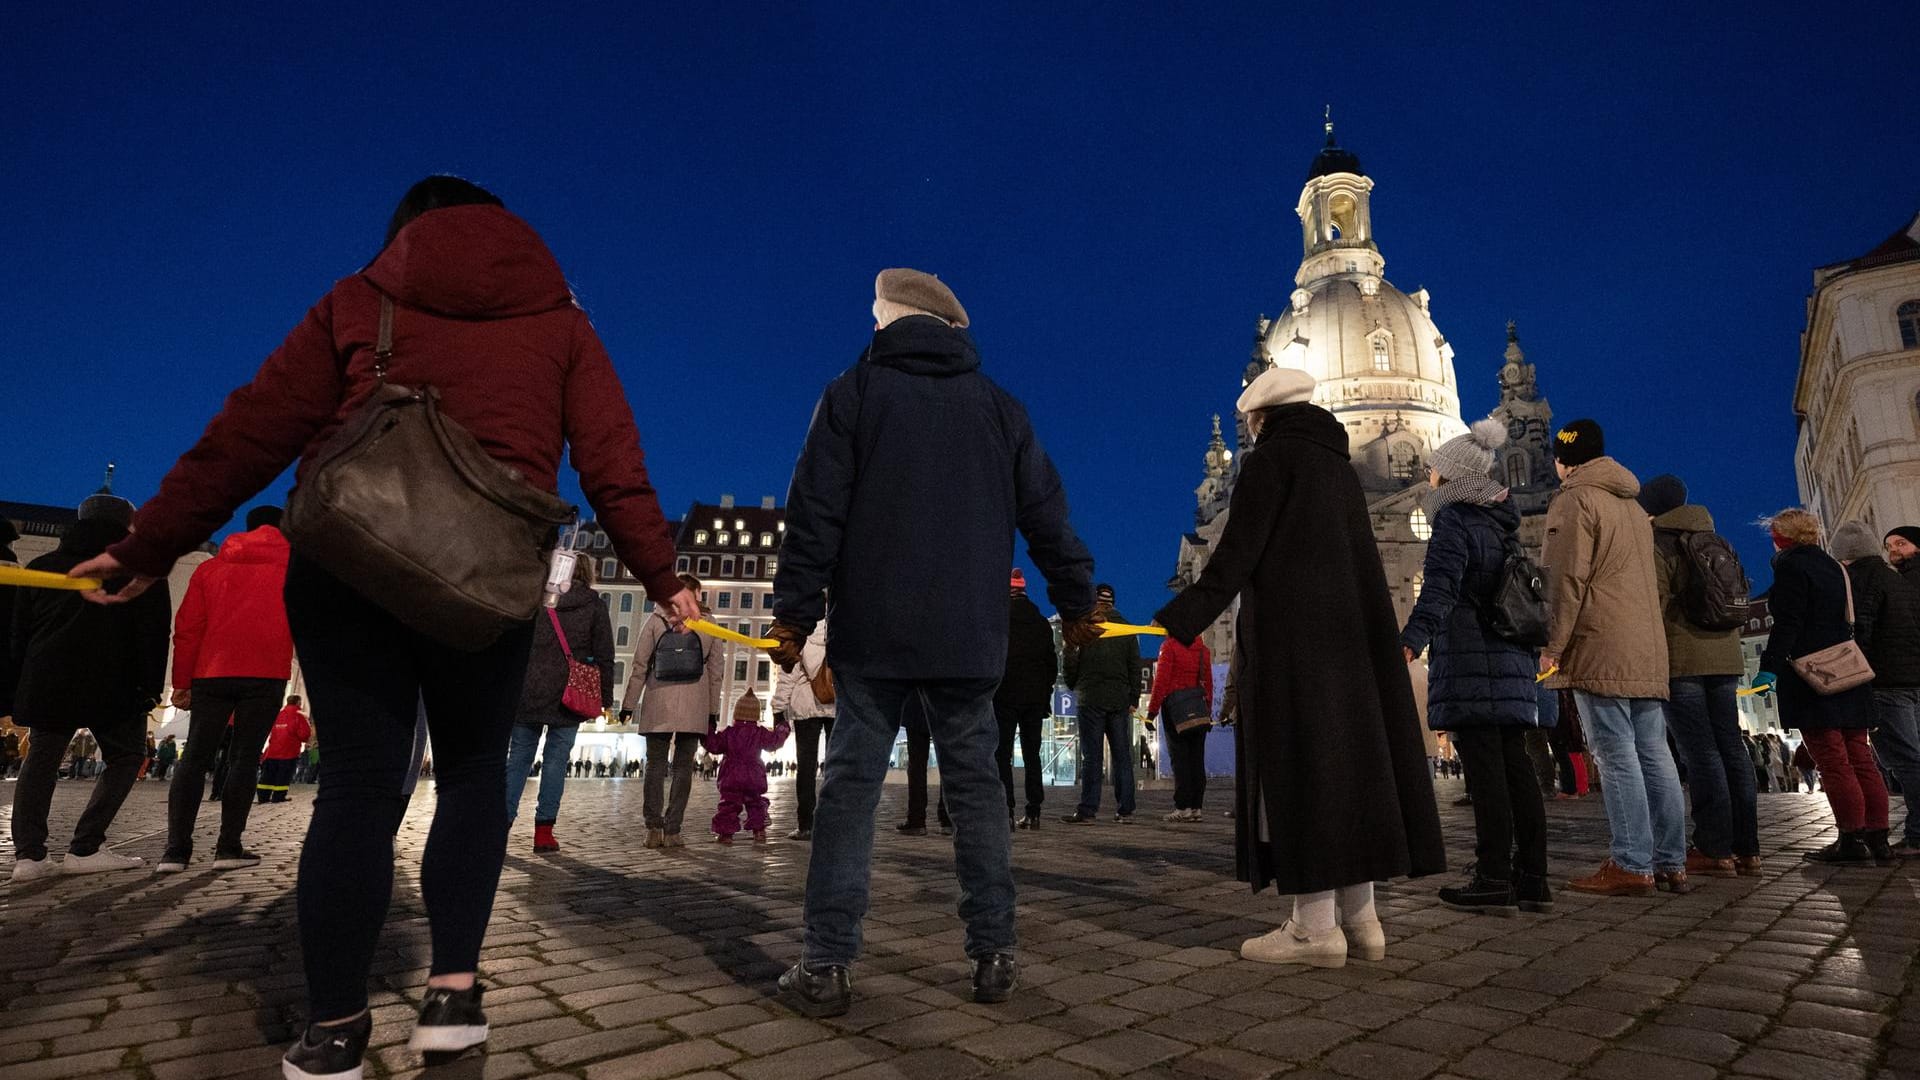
(1385, 371)
(1858, 394)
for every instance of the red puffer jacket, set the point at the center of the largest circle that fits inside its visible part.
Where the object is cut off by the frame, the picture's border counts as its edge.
(1181, 667)
(485, 317)
(233, 622)
(290, 732)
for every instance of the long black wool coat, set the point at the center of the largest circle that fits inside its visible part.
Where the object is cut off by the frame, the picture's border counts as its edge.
(1332, 777)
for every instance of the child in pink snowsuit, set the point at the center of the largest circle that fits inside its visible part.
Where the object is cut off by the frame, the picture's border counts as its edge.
(743, 776)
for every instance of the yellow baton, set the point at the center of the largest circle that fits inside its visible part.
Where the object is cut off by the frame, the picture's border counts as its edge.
(1547, 674)
(42, 579)
(1120, 629)
(724, 634)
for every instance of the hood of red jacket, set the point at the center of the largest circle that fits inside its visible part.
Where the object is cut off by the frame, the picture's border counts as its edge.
(471, 262)
(265, 545)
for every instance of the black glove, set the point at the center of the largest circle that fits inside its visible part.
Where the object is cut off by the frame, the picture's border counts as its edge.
(713, 721)
(626, 716)
(780, 718)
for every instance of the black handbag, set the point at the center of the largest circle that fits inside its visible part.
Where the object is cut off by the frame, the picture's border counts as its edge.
(1185, 710)
(405, 507)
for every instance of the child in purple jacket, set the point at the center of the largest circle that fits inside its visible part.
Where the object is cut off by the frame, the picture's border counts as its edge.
(743, 776)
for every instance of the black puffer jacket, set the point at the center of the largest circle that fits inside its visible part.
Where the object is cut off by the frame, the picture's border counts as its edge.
(76, 664)
(589, 634)
(1808, 603)
(1474, 678)
(1887, 621)
(1032, 664)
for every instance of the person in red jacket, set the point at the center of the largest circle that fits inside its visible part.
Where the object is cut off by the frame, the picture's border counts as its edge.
(232, 655)
(284, 747)
(483, 315)
(1184, 667)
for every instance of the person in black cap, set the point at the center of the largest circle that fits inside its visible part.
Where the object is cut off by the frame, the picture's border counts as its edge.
(1903, 548)
(1704, 667)
(1106, 676)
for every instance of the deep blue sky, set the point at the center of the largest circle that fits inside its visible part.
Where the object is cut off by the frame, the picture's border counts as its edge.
(1646, 189)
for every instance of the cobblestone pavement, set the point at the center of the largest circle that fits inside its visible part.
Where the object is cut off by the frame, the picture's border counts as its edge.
(611, 962)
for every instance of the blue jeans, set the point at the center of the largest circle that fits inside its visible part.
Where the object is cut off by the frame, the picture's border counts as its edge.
(1898, 741)
(1115, 728)
(1705, 720)
(867, 719)
(553, 773)
(1641, 787)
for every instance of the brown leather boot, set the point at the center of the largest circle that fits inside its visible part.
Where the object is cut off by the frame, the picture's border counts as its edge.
(1673, 881)
(1699, 862)
(1748, 865)
(1610, 880)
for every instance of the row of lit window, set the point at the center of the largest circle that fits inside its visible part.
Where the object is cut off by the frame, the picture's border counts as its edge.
(725, 539)
(750, 566)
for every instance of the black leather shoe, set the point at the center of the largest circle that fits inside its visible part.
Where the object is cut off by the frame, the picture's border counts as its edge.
(1533, 893)
(1877, 846)
(1031, 821)
(800, 834)
(1077, 818)
(1848, 849)
(818, 992)
(994, 978)
(1481, 894)
(911, 830)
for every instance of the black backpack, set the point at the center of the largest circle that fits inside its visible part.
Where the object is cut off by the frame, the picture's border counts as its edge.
(1712, 586)
(1518, 612)
(677, 658)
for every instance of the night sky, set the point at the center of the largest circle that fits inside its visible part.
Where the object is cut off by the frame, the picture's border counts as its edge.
(1647, 190)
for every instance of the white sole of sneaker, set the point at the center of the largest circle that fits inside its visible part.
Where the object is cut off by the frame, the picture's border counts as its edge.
(170, 868)
(294, 1072)
(446, 1038)
(234, 864)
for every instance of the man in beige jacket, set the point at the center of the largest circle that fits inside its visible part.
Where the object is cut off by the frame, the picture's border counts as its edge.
(1609, 645)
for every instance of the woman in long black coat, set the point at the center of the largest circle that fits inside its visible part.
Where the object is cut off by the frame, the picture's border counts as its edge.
(1332, 777)
(1810, 612)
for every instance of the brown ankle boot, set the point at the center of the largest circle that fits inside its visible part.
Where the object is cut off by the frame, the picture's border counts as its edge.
(1611, 880)
(1698, 862)
(1748, 865)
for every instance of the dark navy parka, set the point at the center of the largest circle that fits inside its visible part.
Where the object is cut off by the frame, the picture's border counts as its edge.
(1474, 677)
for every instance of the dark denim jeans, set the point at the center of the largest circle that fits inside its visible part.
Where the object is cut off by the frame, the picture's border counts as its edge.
(960, 718)
(1705, 720)
(1115, 728)
(1898, 741)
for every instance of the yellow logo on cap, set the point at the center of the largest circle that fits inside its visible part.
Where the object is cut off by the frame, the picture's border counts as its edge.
(1568, 436)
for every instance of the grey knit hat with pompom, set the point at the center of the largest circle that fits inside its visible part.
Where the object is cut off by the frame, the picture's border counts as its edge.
(1470, 454)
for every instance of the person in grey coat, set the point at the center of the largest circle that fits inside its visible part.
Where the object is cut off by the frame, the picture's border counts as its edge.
(676, 712)
(589, 631)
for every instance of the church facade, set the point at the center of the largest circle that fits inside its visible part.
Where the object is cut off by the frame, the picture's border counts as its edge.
(1386, 371)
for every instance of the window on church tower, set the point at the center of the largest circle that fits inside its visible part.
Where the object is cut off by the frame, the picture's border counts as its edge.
(1909, 319)
(1381, 361)
(1422, 530)
(1403, 461)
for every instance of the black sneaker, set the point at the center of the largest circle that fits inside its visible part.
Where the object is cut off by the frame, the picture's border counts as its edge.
(1532, 893)
(450, 1021)
(1031, 821)
(1481, 894)
(234, 859)
(800, 834)
(1078, 818)
(329, 1053)
(1848, 849)
(1123, 819)
(818, 992)
(906, 829)
(994, 978)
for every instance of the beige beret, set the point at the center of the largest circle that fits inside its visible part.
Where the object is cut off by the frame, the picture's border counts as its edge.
(1276, 386)
(920, 291)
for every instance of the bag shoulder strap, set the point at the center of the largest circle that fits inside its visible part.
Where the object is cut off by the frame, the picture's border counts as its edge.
(1846, 579)
(383, 348)
(561, 634)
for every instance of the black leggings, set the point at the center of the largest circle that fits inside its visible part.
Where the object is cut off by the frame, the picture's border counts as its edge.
(1189, 752)
(366, 675)
(1508, 816)
(250, 705)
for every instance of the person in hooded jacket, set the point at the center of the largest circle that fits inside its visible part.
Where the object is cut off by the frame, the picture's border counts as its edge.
(589, 629)
(1333, 788)
(483, 315)
(232, 655)
(916, 472)
(69, 665)
(1024, 699)
(1886, 623)
(1704, 669)
(1184, 667)
(1810, 602)
(1606, 643)
(1480, 686)
(284, 746)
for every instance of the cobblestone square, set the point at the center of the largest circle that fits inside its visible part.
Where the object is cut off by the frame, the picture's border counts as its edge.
(612, 962)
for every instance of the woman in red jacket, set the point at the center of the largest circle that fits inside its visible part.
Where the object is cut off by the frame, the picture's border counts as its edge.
(1184, 667)
(485, 317)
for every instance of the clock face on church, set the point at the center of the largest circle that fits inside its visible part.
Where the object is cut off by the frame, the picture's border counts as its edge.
(1516, 429)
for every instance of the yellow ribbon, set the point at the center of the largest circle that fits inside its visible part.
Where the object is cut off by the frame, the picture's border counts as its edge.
(1547, 674)
(1753, 691)
(724, 634)
(42, 579)
(1120, 629)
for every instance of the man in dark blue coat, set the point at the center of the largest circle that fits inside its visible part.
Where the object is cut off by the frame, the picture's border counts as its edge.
(916, 472)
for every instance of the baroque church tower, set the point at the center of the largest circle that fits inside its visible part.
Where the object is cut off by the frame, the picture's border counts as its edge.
(1383, 369)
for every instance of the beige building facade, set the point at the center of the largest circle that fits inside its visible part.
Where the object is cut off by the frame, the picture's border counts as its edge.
(1857, 399)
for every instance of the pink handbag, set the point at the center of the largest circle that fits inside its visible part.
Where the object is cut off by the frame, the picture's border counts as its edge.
(582, 695)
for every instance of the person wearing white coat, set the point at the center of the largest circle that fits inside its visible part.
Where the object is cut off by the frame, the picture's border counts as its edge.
(795, 702)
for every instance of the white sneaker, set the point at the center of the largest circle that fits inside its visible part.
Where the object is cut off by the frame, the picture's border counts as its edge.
(170, 866)
(1287, 945)
(25, 870)
(100, 862)
(1177, 815)
(1196, 815)
(1368, 939)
